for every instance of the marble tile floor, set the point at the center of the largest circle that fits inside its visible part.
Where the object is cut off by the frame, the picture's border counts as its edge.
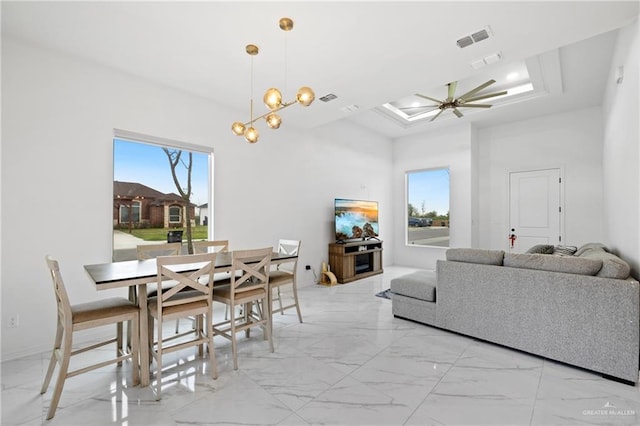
(349, 363)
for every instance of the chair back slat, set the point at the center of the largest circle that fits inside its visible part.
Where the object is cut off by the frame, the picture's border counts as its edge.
(215, 246)
(250, 269)
(190, 281)
(290, 247)
(151, 251)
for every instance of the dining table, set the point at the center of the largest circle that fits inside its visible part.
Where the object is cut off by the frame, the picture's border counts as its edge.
(139, 273)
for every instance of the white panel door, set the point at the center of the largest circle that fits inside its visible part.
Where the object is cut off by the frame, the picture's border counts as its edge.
(535, 211)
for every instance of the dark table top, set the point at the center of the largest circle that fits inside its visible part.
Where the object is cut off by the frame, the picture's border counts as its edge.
(134, 272)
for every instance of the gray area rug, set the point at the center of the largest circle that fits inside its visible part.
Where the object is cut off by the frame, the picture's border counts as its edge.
(385, 293)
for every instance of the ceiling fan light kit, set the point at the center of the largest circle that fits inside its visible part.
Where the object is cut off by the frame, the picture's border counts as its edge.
(272, 98)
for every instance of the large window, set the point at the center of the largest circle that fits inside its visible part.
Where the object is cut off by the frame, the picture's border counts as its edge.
(158, 186)
(427, 219)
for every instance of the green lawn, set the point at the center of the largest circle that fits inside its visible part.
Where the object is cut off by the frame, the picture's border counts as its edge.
(160, 234)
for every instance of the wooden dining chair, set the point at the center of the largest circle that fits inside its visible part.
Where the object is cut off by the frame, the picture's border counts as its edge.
(249, 285)
(84, 316)
(285, 274)
(189, 297)
(152, 251)
(214, 246)
(211, 246)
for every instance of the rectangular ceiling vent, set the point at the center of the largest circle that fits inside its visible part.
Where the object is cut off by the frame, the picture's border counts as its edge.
(329, 97)
(474, 38)
(464, 42)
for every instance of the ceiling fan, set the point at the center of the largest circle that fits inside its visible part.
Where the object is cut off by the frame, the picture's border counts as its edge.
(463, 101)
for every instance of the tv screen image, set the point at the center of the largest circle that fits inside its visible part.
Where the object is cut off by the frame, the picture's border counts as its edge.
(355, 219)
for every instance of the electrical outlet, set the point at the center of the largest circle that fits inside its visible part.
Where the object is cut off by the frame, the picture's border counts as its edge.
(308, 267)
(13, 321)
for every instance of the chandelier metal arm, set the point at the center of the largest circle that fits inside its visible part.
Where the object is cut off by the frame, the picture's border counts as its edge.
(283, 106)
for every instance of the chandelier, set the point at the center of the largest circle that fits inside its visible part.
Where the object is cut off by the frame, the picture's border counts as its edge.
(272, 98)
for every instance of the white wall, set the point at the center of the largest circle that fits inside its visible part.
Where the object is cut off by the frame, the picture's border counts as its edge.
(571, 141)
(621, 154)
(58, 116)
(448, 147)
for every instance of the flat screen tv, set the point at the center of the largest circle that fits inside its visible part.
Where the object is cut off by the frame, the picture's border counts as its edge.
(355, 219)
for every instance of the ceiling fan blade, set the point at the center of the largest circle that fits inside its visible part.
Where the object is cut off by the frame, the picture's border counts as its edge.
(489, 95)
(457, 112)
(437, 115)
(476, 90)
(475, 106)
(452, 90)
(427, 97)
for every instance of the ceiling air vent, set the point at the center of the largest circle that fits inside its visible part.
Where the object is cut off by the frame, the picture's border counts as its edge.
(464, 42)
(329, 97)
(476, 37)
(480, 35)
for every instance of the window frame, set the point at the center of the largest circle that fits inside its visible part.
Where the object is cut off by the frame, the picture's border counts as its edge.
(175, 206)
(134, 137)
(407, 228)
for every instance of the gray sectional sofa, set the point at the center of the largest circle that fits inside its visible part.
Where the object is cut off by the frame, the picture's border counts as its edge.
(581, 309)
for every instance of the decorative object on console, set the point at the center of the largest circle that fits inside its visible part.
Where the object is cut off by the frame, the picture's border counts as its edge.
(272, 97)
(326, 276)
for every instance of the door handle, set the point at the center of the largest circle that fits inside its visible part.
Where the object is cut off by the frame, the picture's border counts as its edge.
(512, 237)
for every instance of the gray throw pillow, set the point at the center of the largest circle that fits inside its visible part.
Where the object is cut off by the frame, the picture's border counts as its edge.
(564, 250)
(541, 249)
(612, 265)
(590, 246)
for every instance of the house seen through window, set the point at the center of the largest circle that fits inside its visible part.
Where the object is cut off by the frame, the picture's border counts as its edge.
(159, 187)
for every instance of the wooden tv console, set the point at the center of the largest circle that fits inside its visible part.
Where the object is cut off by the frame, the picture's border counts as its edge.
(353, 260)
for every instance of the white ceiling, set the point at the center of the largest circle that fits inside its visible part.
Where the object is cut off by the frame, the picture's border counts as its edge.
(366, 53)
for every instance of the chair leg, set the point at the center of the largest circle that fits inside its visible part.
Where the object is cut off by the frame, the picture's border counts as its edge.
(135, 350)
(119, 348)
(52, 363)
(245, 313)
(268, 325)
(177, 325)
(234, 347)
(295, 298)
(212, 353)
(159, 361)
(133, 296)
(65, 355)
(199, 330)
(280, 301)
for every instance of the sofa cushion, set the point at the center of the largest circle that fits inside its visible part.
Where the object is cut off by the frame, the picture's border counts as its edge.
(419, 285)
(612, 265)
(474, 255)
(590, 246)
(542, 249)
(566, 264)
